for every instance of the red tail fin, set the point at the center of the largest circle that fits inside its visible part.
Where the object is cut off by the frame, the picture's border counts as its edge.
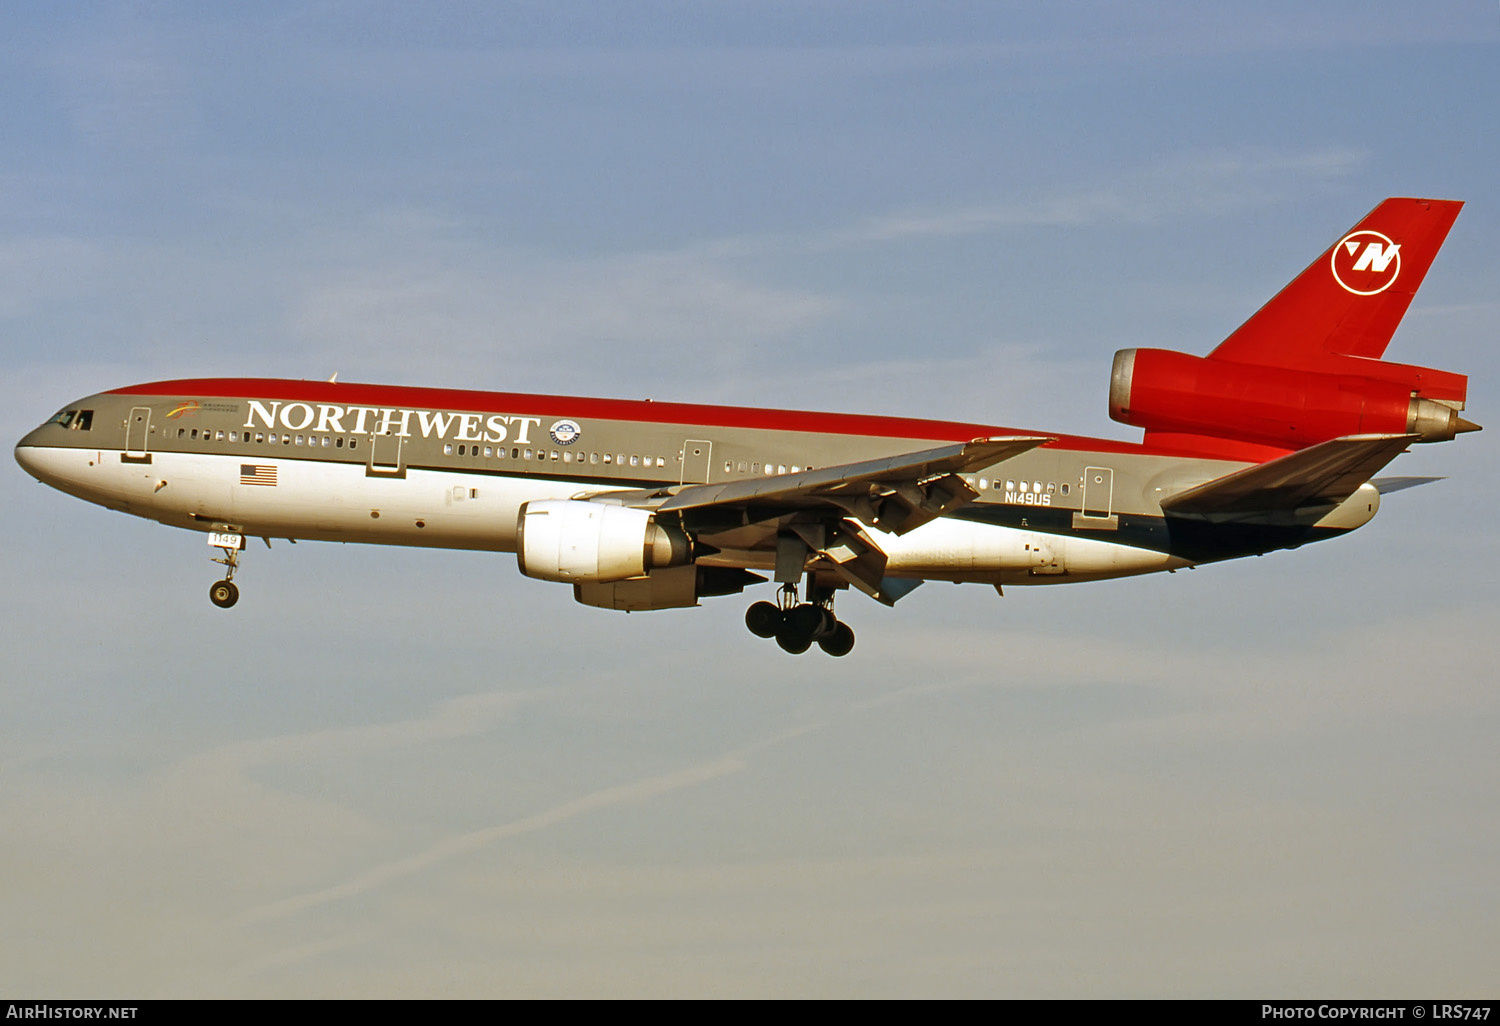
(1349, 300)
(1307, 367)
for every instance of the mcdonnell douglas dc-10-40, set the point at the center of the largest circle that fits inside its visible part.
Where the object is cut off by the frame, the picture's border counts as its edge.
(1269, 442)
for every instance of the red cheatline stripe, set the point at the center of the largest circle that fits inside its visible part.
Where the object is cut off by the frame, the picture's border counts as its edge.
(553, 406)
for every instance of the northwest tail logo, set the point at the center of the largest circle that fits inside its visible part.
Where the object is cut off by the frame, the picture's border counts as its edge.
(1366, 263)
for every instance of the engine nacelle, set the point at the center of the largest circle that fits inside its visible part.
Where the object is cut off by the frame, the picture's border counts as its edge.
(578, 541)
(1289, 408)
(674, 588)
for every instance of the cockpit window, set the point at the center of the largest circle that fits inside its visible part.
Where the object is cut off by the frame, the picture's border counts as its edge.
(76, 420)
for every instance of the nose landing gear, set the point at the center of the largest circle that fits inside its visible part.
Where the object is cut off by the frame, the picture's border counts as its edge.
(796, 625)
(225, 593)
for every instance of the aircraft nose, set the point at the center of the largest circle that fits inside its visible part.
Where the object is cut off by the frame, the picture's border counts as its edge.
(41, 463)
(26, 457)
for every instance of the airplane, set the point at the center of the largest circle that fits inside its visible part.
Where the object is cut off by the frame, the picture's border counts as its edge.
(1269, 442)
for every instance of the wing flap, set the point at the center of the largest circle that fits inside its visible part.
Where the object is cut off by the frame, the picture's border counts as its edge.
(1322, 475)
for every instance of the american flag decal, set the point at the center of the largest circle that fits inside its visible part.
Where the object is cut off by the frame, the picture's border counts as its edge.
(253, 474)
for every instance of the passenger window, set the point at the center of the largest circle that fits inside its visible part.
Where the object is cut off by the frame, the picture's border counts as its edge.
(354, 443)
(261, 437)
(489, 451)
(608, 458)
(338, 442)
(299, 439)
(527, 454)
(287, 440)
(181, 432)
(448, 449)
(218, 436)
(635, 460)
(194, 435)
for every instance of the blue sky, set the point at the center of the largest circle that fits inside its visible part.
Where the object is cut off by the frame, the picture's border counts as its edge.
(418, 773)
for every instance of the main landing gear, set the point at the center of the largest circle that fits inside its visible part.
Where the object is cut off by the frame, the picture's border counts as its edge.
(225, 593)
(796, 625)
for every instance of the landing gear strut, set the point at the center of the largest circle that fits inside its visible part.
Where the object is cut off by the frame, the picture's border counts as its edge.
(225, 593)
(796, 625)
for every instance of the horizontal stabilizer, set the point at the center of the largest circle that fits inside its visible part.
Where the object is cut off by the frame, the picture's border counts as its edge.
(1320, 476)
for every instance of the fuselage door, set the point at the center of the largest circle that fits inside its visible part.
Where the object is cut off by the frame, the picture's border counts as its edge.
(385, 456)
(138, 432)
(1098, 492)
(697, 455)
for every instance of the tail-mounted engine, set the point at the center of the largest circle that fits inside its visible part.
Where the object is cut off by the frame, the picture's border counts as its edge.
(1306, 367)
(1289, 408)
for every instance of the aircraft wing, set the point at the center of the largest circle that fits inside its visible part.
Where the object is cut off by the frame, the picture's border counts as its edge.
(1387, 485)
(816, 519)
(1322, 475)
(894, 493)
